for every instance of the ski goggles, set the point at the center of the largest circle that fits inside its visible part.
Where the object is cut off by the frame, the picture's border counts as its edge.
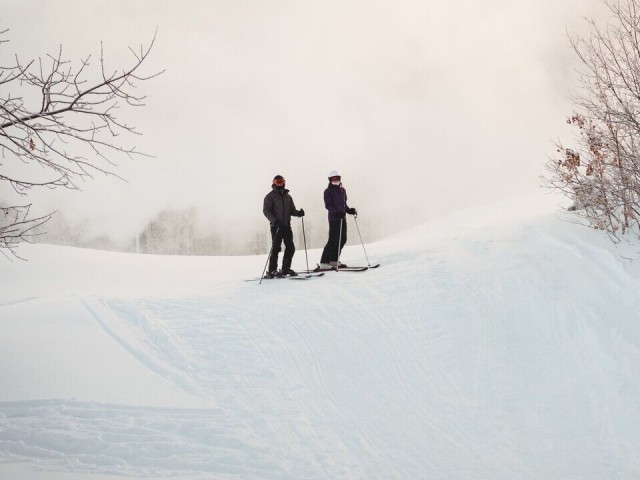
(279, 182)
(335, 179)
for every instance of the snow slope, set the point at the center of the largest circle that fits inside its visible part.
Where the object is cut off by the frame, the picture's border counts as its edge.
(499, 343)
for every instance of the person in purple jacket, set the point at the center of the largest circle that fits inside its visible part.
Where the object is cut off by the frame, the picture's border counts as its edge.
(335, 201)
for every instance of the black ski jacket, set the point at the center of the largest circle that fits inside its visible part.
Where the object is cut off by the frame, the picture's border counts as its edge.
(278, 207)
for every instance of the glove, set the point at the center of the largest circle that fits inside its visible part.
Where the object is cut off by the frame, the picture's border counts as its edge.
(301, 212)
(352, 211)
(342, 214)
(278, 224)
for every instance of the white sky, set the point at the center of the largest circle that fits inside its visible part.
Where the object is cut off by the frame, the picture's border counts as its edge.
(425, 106)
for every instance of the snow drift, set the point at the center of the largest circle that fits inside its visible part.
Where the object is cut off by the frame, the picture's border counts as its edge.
(499, 343)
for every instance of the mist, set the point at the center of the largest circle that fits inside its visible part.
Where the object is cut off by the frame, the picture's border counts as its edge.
(425, 108)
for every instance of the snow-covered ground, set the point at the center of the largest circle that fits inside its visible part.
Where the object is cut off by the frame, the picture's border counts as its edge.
(499, 343)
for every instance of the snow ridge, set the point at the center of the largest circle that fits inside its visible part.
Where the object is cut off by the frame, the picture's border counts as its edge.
(507, 348)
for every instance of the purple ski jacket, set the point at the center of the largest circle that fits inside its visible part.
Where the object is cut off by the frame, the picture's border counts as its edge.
(335, 201)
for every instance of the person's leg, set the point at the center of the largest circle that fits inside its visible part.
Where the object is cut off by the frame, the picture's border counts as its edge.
(343, 238)
(276, 241)
(330, 252)
(289, 249)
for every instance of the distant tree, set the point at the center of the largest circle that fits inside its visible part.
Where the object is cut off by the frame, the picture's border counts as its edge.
(170, 232)
(259, 242)
(58, 125)
(601, 173)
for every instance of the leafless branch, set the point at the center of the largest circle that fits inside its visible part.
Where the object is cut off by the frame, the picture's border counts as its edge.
(16, 227)
(601, 173)
(72, 129)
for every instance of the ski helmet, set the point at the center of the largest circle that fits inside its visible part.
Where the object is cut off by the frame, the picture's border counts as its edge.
(279, 181)
(334, 173)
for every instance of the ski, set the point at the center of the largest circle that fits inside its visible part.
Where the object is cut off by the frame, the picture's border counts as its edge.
(341, 269)
(299, 277)
(360, 268)
(306, 275)
(344, 269)
(302, 276)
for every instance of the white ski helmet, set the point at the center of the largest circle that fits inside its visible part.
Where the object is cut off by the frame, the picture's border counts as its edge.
(334, 173)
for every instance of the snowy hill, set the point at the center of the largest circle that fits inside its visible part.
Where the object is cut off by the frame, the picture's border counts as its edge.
(500, 343)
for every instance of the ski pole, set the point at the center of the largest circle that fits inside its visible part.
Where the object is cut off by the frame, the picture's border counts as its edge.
(339, 243)
(273, 244)
(304, 236)
(355, 219)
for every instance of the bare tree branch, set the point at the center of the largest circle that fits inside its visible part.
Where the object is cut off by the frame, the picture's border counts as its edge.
(601, 174)
(15, 228)
(73, 132)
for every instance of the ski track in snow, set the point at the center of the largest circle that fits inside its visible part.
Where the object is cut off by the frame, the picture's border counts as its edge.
(492, 356)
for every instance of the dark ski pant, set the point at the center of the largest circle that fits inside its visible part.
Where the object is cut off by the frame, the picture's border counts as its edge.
(330, 252)
(278, 234)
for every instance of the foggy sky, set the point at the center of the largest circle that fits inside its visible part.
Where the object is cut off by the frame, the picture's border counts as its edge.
(424, 106)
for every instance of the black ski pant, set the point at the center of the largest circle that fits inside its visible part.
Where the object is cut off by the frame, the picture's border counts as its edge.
(330, 252)
(278, 235)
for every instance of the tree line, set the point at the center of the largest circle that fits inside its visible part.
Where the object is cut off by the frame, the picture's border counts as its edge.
(184, 232)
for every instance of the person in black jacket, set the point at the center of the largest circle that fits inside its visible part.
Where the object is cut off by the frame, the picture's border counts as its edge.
(278, 207)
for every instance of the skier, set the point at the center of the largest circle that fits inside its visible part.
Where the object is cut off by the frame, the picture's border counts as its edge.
(335, 201)
(278, 207)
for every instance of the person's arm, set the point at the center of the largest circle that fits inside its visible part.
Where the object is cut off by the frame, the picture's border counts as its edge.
(329, 203)
(267, 209)
(350, 211)
(294, 211)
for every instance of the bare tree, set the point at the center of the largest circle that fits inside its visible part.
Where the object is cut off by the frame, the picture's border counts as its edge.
(601, 174)
(58, 125)
(16, 227)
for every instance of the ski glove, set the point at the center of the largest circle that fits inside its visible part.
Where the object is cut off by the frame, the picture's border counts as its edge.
(352, 211)
(301, 212)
